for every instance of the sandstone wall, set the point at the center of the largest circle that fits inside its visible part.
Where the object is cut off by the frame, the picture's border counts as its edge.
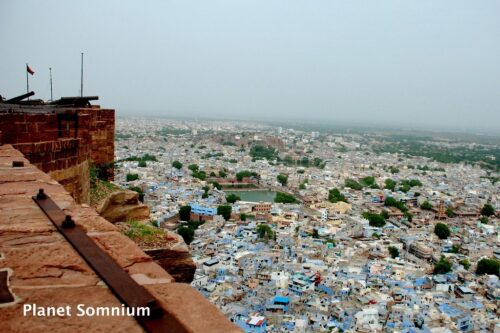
(63, 142)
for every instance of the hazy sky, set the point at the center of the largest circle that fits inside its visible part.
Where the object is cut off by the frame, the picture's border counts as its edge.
(412, 63)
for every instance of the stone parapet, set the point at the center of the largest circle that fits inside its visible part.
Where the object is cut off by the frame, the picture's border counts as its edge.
(63, 142)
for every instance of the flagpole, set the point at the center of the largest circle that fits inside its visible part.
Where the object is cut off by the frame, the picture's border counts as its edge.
(27, 80)
(81, 79)
(50, 70)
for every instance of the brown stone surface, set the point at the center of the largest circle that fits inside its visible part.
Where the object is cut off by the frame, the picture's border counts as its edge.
(122, 206)
(12, 320)
(62, 148)
(176, 260)
(189, 308)
(44, 269)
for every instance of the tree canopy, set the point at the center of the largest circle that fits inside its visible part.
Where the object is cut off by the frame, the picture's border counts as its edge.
(443, 266)
(132, 176)
(187, 234)
(263, 152)
(390, 184)
(185, 213)
(264, 231)
(393, 251)
(284, 198)
(375, 220)
(177, 165)
(193, 167)
(232, 198)
(442, 231)
(488, 266)
(225, 211)
(487, 210)
(334, 196)
(246, 174)
(426, 205)
(351, 183)
(282, 179)
(391, 202)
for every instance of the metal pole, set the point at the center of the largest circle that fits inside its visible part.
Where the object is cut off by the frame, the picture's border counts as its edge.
(50, 70)
(27, 81)
(81, 81)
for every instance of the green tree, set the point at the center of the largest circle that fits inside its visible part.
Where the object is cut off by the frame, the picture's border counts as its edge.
(390, 184)
(185, 213)
(393, 251)
(261, 152)
(246, 174)
(483, 219)
(449, 212)
(232, 198)
(391, 202)
(393, 169)
(201, 175)
(282, 179)
(302, 186)
(443, 266)
(465, 262)
(217, 185)
(132, 176)
(193, 167)
(225, 211)
(442, 231)
(177, 165)
(284, 198)
(351, 183)
(488, 266)
(426, 205)
(334, 196)
(243, 216)
(367, 181)
(222, 174)
(487, 210)
(315, 233)
(142, 164)
(187, 234)
(376, 220)
(455, 248)
(409, 216)
(264, 231)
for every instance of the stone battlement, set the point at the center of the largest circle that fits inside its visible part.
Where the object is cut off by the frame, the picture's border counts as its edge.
(62, 141)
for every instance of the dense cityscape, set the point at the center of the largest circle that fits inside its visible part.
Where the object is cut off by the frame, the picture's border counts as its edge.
(298, 228)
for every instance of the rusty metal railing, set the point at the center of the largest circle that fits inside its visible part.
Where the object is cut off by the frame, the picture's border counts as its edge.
(123, 286)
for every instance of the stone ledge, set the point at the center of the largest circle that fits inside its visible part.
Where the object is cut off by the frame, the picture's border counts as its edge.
(46, 270)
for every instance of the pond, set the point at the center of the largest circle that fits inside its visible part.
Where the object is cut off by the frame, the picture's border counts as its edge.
(254, 196)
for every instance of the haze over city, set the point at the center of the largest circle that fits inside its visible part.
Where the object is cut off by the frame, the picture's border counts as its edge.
(385, 63)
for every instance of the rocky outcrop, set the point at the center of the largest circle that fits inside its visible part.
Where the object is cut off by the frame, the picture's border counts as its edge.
(123, 206)
(167, 248)
(174, 258)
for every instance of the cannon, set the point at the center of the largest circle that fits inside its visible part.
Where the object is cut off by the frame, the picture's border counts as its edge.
(79, 101)
(16, 100)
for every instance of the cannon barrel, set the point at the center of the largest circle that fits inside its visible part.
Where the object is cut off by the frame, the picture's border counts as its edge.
(78, 101)
(19, 98)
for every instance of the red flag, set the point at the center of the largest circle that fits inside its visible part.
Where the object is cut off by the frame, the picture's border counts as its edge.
(29, 70)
